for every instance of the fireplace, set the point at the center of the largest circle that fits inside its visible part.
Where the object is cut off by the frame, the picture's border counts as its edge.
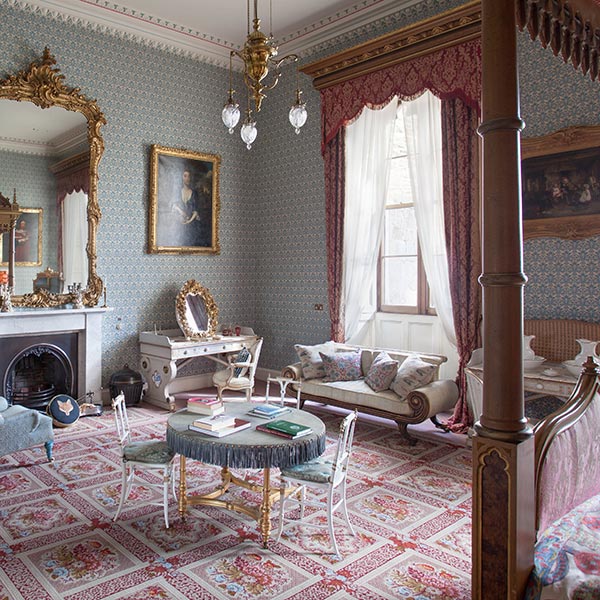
(37, 368)
(46, 352)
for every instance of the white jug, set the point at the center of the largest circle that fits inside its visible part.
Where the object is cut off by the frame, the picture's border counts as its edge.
(587, 348)
(528, 353)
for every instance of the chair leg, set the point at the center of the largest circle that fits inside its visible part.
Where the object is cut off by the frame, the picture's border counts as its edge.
(330, 520)
(345, 508)
(249, 394)
(125, 479)
(282, 500)
(166, 486)
(48, 445)
(302, 500)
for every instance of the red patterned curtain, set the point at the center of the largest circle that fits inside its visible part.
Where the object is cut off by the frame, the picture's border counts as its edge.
(463, 238)
(334, 156)
(454, 75)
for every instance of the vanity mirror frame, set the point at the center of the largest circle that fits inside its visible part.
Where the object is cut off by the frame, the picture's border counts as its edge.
(193, 288)
(42, 84)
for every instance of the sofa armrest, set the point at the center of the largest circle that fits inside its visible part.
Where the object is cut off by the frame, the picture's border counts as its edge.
(433, 398)
(292, 372)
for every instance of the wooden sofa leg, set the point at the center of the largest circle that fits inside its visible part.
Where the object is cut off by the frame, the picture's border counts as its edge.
(403, 427)
(439, 424)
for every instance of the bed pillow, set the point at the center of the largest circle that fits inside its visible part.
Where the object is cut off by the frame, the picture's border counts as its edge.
(310, 359)
(412, 373)
(341, 366)
(381, 372)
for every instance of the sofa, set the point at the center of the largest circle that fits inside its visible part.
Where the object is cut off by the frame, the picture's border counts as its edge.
(398, 385)
(22, 428)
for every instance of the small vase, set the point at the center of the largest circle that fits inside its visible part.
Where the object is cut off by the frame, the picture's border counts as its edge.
(528, 353)
(587, 348)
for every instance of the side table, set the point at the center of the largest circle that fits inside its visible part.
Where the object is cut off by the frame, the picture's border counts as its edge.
(283, 384)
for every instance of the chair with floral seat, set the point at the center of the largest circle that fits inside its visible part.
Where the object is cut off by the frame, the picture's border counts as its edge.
(322, 476)
(153, 455)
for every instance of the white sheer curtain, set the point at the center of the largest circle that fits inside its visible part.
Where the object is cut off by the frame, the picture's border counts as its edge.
(423, 127)
(368, 146)
(75, 235)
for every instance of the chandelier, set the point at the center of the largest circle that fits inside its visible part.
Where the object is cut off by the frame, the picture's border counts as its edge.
(259, 57)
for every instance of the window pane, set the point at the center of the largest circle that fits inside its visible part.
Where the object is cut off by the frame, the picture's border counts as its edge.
(400, 281)
(399, 190)
(400, 232)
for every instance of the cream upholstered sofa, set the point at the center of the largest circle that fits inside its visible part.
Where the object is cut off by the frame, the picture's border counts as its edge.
(423, 395)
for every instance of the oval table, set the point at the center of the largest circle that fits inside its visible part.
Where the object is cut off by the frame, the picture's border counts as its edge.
(246, 449)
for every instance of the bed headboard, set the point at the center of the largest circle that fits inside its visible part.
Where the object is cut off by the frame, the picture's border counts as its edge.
(555, 338)
(567, 451)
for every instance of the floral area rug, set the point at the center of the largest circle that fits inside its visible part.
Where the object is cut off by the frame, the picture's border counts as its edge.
(410, 507)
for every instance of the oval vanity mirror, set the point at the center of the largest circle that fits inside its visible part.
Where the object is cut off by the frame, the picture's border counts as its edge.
(50, 148)
(196, 311)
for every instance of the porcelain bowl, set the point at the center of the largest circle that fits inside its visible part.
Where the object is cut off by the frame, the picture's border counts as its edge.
(574, 366)
(532, 363)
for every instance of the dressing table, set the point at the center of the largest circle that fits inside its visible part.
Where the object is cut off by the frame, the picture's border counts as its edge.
(197, 337)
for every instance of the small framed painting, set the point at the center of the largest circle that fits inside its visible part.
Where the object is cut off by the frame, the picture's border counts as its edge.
(561, 184)
(184, 202)
(28, 239)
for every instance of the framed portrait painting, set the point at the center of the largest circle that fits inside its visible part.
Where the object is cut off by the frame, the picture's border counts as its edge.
(184, 202)
(561, 184)
(28, 239)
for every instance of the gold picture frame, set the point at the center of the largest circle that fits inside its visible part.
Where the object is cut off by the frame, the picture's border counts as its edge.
(184, 202)
(561, 184)
(28, 239)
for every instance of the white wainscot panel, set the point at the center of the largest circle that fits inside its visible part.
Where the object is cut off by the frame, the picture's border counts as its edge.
(417, 333)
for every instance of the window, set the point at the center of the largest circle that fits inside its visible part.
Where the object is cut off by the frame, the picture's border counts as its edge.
(402, 281)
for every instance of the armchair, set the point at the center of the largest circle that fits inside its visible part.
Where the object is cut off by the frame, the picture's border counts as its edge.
(22, 428)
(240, 371)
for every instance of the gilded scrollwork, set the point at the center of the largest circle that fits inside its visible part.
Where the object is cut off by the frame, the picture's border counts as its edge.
(196, 311)
(43, 84)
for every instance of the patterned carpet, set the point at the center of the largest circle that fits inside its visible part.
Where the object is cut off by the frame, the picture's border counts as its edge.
(410, 507)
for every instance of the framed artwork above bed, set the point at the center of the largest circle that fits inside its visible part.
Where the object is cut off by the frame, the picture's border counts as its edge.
(560, 174)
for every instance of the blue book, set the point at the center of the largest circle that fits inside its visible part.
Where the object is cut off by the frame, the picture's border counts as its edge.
(268, 410)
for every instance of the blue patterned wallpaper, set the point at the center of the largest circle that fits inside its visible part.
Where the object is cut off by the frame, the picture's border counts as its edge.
(272, 269)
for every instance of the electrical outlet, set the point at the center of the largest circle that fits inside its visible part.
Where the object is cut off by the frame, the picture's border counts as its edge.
(318, 307)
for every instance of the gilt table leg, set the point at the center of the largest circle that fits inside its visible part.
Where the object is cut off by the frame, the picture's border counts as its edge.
(182, 504)
(265, 507)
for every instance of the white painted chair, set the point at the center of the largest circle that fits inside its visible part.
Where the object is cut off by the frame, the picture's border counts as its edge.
(153, 455)
(240, 371)
(322, 476)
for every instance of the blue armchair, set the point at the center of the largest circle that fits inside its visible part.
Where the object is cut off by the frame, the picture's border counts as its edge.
(22, 428)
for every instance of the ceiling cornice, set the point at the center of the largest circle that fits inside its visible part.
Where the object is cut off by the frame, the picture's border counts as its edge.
(116, 19)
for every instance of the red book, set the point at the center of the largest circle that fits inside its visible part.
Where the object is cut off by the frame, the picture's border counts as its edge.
(204, 400)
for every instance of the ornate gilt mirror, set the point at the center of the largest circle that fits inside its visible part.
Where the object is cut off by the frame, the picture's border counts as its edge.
(196, 311)
(50, 148)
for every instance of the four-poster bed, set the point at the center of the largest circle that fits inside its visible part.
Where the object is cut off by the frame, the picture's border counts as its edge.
(372, 73)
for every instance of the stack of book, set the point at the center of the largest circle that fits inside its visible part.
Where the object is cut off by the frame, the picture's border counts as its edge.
(205, 405)
(268, 411)
(219, 425)
(285, 429)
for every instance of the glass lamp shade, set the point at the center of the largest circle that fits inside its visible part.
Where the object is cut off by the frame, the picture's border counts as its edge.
(249, 132)
(230, 115)
(298, 116)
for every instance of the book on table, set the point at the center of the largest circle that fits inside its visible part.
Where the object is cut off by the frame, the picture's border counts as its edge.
(214, 423)
(285, 429)
(268, 411)
(205, 405)
(238, 425)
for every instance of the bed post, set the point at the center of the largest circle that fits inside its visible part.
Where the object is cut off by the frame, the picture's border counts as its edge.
(503, 447)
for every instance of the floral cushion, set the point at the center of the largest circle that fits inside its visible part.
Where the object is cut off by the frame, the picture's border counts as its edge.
(412, 373)
(341, 366)
(149, 452)
(310, 359)
(567, 556)
(317, 470)
(381, 372)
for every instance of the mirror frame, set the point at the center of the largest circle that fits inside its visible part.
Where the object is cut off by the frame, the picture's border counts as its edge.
(42, 84)
(192, 287)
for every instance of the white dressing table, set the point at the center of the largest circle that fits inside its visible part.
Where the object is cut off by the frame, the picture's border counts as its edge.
(160, 352)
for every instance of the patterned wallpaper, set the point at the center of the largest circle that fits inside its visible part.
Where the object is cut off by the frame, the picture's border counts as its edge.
(271, 270)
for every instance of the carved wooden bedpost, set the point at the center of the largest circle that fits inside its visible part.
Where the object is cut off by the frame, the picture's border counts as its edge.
(503, 477)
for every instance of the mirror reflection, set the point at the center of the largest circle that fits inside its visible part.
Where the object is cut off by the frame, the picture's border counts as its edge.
(196, 311)
(36, 147)
(50, 147)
